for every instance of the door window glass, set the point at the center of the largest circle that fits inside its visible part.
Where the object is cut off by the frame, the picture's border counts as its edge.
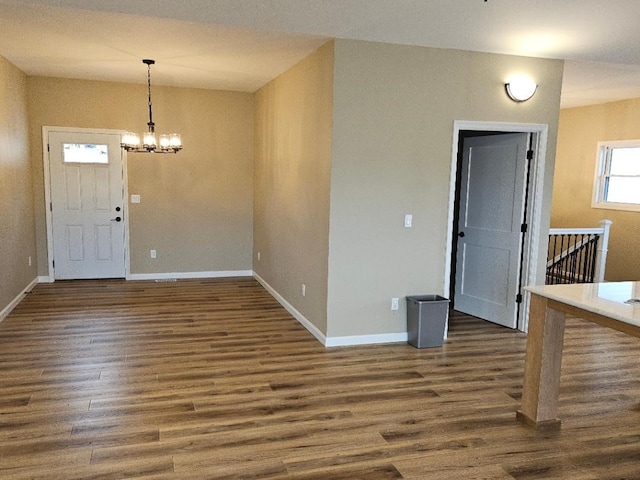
(85, 153)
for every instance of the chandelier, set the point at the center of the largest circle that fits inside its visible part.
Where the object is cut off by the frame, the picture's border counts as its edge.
(168, 143)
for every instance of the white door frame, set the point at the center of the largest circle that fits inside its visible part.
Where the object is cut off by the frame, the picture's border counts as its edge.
(530, 264)
(47, 193)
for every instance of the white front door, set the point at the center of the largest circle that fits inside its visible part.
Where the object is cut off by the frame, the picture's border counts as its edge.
(86, 205)
(489, 227)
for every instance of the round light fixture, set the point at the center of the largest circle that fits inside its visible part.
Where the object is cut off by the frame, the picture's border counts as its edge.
(521, 89)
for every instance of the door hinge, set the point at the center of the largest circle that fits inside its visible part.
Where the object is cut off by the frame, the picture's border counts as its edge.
(48, 148)
(53, 262)
(529, 154)
(519, 298)
(51, 206)
(523, 228)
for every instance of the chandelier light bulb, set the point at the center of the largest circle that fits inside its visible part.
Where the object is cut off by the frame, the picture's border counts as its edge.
(149, 141)
(131, 140)
(175, 141)
(164, 141)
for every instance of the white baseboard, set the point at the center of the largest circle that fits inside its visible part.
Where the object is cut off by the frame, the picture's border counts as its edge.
(367, 339)
(331, 341)
(7, 310)
(292, 310)
(183, 275)
(45, 279)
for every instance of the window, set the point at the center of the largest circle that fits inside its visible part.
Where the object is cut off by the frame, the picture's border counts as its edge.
(84, 153)
(617, 183)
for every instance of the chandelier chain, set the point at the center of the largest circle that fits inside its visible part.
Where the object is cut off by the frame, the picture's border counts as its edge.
(150, 124)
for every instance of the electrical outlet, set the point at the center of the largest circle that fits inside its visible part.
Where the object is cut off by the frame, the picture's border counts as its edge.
(152, 253)
(29, 260)
(303, 290)
(408, 221)
(258, 256)
(395, 303)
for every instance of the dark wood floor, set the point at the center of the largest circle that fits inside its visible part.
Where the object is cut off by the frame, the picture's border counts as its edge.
(213, 379)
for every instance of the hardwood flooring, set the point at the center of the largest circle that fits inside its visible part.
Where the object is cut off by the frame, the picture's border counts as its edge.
(213, 379)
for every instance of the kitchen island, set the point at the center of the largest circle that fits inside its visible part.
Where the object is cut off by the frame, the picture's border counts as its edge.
(615, 305)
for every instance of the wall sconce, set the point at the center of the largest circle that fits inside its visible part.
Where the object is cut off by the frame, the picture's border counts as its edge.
(521, 89)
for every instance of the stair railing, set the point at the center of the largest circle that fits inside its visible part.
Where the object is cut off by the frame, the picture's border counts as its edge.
(577, 255)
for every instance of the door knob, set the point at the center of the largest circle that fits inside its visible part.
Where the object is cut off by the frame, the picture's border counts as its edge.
(461, 234)
(117, 219)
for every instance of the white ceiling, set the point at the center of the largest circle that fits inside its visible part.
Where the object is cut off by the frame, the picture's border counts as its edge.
(242, 44)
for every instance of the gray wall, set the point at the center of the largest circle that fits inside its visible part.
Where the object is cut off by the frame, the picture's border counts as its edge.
(394, 109)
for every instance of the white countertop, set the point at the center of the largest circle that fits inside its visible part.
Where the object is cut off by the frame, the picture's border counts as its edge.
(607, 299)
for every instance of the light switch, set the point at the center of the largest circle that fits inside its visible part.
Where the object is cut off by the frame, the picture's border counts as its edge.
(135, 198)
(408, 221)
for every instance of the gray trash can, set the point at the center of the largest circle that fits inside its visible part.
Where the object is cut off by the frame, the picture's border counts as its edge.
(426, 318)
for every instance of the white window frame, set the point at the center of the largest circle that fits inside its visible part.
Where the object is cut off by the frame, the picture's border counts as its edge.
(602, 166)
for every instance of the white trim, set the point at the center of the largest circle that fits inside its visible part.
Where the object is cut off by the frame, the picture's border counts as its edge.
(603, 248)
(45, 279)
(601, 161)
(625, 207)
(13, 303)
(125, 214)
(292, 310)
(321, 337)
(537, 174)
(535, 269)
(186, 275)
(576, 231)
(366, 339)
(47, 191)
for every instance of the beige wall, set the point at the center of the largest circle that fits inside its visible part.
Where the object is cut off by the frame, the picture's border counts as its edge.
(292, 169)
(196, 206)
(17, 233)
(394, 110)
(579, 132)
